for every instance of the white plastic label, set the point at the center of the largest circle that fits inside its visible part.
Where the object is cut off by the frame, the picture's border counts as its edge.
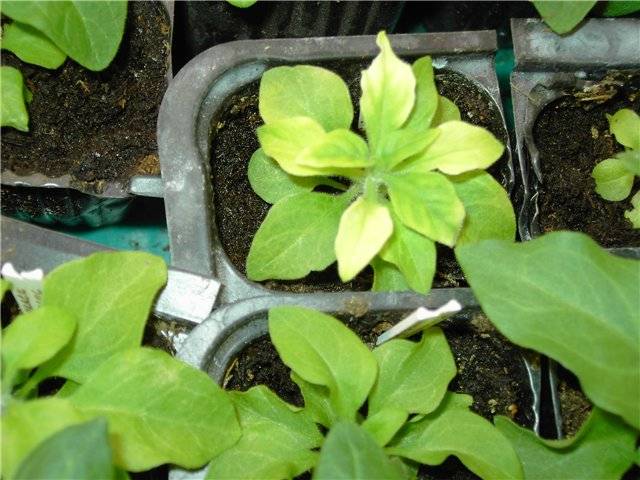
(420, 319)
(26, 287)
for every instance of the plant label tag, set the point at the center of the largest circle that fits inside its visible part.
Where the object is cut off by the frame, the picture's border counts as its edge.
(26, 287)
(420, 319)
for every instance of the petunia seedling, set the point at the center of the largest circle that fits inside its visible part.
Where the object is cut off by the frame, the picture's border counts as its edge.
(417, 179)
(614, 176)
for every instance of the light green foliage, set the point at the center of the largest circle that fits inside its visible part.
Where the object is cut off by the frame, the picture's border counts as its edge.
(89, 32)
(349, 452)
(317, 403)
(625, 126)
(78, 451)
(482, 448)
(562, 16)
(398, 182)
(568, 298)
(604, 448)
(383, 425)
(633, 215)
(242, 3)
(31, 46)
(13, 98)
(613, 180)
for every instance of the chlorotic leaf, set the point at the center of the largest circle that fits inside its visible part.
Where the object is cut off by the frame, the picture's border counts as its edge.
(613, 180)
(447, 112)
(31, 46)
(403, 144)
(426, 103)
(538, 303)
(349, 452)
(305, 91)
(428, 204)
(625, 125)
(604, 448)
(323, 351)
(488, 210)
(413, 376)
(387, 277)
(364, 228)
(149, 397)
(562, 16)
(383, 425)
(110, 294)
(78, 451)
(317, 401)
(339, 148)
(388, 94)
(454, 430)
(13, 107)
(89, 32)
(296, 237)
(633, 215)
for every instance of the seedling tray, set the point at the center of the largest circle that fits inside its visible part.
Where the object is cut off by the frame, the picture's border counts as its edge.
(547, 67)
(199, 93)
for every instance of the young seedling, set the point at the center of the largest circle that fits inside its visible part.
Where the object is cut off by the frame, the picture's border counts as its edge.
(614, 176)
(411, 417)
(416, 180)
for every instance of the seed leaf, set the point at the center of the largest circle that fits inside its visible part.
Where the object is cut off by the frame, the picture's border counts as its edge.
(13, 95)
(633, 215)
(613, 180)
(625, 125)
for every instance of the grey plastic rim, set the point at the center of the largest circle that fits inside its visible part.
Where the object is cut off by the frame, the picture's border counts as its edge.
(198, 94)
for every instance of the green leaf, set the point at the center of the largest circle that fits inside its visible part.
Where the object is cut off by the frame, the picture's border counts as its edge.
(317, 403)
(33, 338)
(413, 376)
(110, 294)
(338, 149)
(242, 3)
(296, 237)
(562, 16)
(26, 424)
(458, 148)
(31, 46)
(625, 125)
(454, 430)
(604, 448)
(349, 452)
(428, 204)
(568, 298)
(633, 215)
(149, 397)
(403, 144)
(78, 451)
(387, 277)
(488, 210)
(89, 32)
(305, 91)
(364, 228)
(631, 160)
(323, 351)
(413, 254)
(272, 183)
(13, 108)
(613, 180)
(276, 441)
(383, 425)
(426, 103)
(617, 8)
(447, 112)
(388, 94)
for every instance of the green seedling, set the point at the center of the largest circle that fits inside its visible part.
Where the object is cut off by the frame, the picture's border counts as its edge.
(44, 33)
(411, 417)
(417, 179)
(614, 176)
(562, 16)
(88, 332)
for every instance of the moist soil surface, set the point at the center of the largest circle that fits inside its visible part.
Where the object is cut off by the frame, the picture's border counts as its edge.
(572, 135)
(98, 127)
(239, 211)
(489, 368)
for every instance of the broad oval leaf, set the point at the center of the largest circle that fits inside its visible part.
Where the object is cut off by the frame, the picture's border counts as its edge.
(78, 451)
(323, 351)
(413, 376)
(349, 452)
(454, 430)
(428, 204)
(364, 228)
(383, 425)
(149, 398)
(388, 94)
(89, 32)
(387, 277)
(562, 16)
(403, 144)
(613, 180)
(604, 448)
(110, 294)
(488, 210)
(31, 46)
(13, 111)
(296, 237)
(305, 91)
(338, 149)
(568, 298)
(426, 103)
(625, 125)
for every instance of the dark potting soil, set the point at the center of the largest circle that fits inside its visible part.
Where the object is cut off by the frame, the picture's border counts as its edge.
(239, 211)
(572, 136)
(575, 407)
(96, 126)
